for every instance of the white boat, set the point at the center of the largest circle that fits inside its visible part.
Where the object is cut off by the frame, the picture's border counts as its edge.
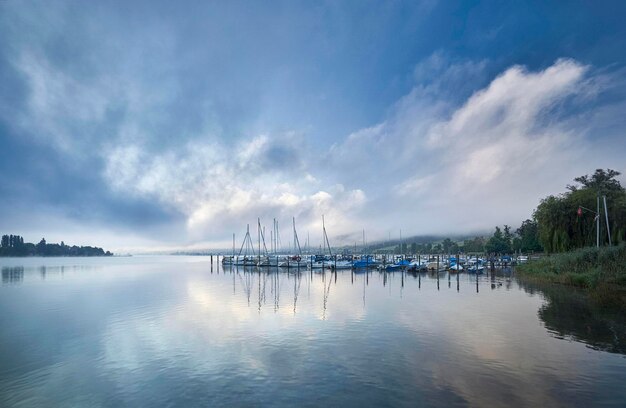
(417, 266)
(245, 261)
(295, 261)
(342, 264)
(270, 261)
(455, 268)
(320, 262)
(478, 268)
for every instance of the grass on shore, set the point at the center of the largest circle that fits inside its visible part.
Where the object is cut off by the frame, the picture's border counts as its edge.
(600, 271)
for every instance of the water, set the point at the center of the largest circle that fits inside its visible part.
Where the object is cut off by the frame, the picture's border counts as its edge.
(174, 331)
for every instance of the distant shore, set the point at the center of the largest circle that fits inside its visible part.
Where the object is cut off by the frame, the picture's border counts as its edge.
(14, 246)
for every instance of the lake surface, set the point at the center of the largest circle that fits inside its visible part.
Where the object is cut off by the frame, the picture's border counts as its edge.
(178, 331)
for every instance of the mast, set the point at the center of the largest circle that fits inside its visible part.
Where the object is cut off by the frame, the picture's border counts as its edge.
(247, 241)
(296, 241)
(277, 236)
(325, 237)
(598, 223)
(606, 215)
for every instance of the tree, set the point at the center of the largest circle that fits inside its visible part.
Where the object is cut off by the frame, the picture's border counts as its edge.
(447, 244)
(454, 248)
(497, 243)
(528, 239)
(561, 227)
(601, 181)
(477, 244)
(41, 247)
(508, 236)
(14, 245)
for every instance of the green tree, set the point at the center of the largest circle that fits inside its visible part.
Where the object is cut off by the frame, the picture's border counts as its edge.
(447, 245)
(476, 244)
(41, 247)
(528, 239)
(497, 243)
(602, 181)
(560, 225)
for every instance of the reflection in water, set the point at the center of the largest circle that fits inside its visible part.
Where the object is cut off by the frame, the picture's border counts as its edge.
(13, 274)
(566, 313)
(569, 315)
(180, 331)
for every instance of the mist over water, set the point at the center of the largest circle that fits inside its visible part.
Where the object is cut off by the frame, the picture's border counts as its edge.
(180, 331)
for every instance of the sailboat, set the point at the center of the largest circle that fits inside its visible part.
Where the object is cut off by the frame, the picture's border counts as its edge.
(267, 260)
(245, 259)
(321, 261)
(294, 261)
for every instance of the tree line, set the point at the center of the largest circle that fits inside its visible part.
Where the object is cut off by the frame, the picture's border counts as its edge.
(560, 222)
(14, 245)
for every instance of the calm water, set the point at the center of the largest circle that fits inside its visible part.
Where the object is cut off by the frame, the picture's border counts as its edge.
(174, 331)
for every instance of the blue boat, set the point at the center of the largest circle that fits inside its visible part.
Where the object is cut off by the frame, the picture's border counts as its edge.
(402, 264)
(366, 261)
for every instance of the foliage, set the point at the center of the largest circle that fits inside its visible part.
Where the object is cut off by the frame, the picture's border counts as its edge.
(561, 228)
(14, 245)
(447, 245)
(600, 270)
(476, 244)
(499, 243)
(528, 237)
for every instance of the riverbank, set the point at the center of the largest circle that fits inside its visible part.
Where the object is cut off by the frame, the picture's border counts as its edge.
(601, 272)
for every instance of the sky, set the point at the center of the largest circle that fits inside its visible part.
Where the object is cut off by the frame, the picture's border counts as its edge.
(155, 125)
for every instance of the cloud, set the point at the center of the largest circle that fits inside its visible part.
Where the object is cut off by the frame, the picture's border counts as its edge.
(485, 161)
(218, 187)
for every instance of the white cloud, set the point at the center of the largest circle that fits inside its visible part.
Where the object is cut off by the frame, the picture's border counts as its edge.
(487, 161)
(433, 165)
(219, 188)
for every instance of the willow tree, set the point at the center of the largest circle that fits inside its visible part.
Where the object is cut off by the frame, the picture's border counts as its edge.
(568, 220)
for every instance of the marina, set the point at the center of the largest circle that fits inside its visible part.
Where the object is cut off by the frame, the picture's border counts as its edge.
(351, 260)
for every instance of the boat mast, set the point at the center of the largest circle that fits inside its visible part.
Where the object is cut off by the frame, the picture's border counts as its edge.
(277, 237)
(296, 241)
(325, 237)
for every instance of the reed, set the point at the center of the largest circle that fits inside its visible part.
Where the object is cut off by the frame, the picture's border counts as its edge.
(600, 271)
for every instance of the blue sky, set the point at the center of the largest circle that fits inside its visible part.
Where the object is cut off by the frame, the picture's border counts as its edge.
(138, 125)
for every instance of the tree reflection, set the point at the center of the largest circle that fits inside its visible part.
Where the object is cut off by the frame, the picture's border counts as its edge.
(568, 314)
(12, 274)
